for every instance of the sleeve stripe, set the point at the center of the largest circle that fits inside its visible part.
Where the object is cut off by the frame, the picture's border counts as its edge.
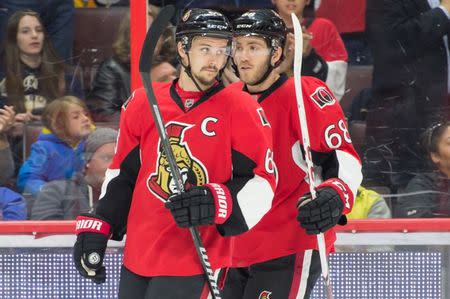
(255, 199)
(110, 174)
(349, 170)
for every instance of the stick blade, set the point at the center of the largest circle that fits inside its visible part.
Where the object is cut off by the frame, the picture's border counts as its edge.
(158, 26)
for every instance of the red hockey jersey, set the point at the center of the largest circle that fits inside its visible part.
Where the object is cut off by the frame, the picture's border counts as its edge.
(221, 138)
(279, 233)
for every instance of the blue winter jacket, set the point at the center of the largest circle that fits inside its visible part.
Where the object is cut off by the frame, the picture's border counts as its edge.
(50, 159)
(12, 205)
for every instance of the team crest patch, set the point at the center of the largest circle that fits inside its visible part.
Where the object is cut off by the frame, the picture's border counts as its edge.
(161, 183)
(263, 117)
(322, 97)
(264, 295)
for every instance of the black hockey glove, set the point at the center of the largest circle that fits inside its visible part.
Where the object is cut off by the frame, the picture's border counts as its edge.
(89, 249)
(319, 215)
(201, 205)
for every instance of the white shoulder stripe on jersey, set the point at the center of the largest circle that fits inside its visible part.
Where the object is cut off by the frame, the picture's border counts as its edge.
(255, 199)
(109, 175)
(349, 170)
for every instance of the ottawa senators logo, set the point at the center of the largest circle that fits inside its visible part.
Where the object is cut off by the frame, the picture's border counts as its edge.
(264, 295)
(161, 183)
(322, 97)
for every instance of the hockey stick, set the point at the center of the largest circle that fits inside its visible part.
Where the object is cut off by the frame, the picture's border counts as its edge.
(298, 36)
(145, 62)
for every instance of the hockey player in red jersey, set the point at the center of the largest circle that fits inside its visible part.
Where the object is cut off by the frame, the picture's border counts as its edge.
(223, 148)
(279, 256)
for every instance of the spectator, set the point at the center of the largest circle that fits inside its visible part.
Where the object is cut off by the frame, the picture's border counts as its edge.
(34, 73)
(57, 154)
(57, 16)
(324, 53)
(111, 86)
(428, 194)
(163, 71)
(65, 199)
(7, 115)
(410, 82)
(369, 204)
(12, 205)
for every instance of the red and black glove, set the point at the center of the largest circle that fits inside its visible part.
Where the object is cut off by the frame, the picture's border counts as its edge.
(325, 211)
(93, 234)
(201, 205)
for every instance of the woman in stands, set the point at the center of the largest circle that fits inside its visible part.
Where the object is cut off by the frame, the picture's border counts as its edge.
(32, 74)
(428, 194)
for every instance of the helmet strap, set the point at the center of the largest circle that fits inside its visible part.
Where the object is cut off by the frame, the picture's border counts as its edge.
(269, 70)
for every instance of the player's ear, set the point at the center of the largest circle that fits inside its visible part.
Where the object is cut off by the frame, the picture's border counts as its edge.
(276, 56)
(181, 49)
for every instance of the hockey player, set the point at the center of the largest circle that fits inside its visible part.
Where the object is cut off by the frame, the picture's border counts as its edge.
(222, 146)
(278, 258)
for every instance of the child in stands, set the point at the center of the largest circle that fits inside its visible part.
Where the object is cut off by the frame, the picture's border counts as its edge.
(57, 154)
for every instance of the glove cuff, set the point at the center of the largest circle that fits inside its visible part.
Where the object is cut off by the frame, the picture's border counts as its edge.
(92, 224)
(222, 201)
(343, 190)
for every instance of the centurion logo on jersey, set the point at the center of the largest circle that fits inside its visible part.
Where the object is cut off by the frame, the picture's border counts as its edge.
(161, 183)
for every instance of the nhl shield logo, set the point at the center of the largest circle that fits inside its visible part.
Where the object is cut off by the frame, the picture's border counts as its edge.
(322, 97)
(161, 183)
(264, 295)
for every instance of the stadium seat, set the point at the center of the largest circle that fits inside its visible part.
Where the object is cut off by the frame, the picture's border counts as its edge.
(358, 78)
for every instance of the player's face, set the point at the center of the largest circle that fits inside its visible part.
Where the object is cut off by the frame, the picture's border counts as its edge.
(208, 56)
(442, 157)
(286, 7)
(30, 36)
(252, 58)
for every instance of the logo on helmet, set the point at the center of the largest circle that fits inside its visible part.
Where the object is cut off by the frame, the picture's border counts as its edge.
(264, 295)
(186, 16)
(162, 183)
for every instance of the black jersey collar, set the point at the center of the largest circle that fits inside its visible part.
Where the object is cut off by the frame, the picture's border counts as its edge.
(208, 93)
(283, 78)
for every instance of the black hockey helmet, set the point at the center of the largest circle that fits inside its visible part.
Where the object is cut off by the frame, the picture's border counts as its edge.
(262, 22)
(202, 22)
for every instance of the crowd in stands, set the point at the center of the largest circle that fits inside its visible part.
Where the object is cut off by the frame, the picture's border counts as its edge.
(74, 94)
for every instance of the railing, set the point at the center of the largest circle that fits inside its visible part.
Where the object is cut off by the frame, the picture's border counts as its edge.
(375, 259)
